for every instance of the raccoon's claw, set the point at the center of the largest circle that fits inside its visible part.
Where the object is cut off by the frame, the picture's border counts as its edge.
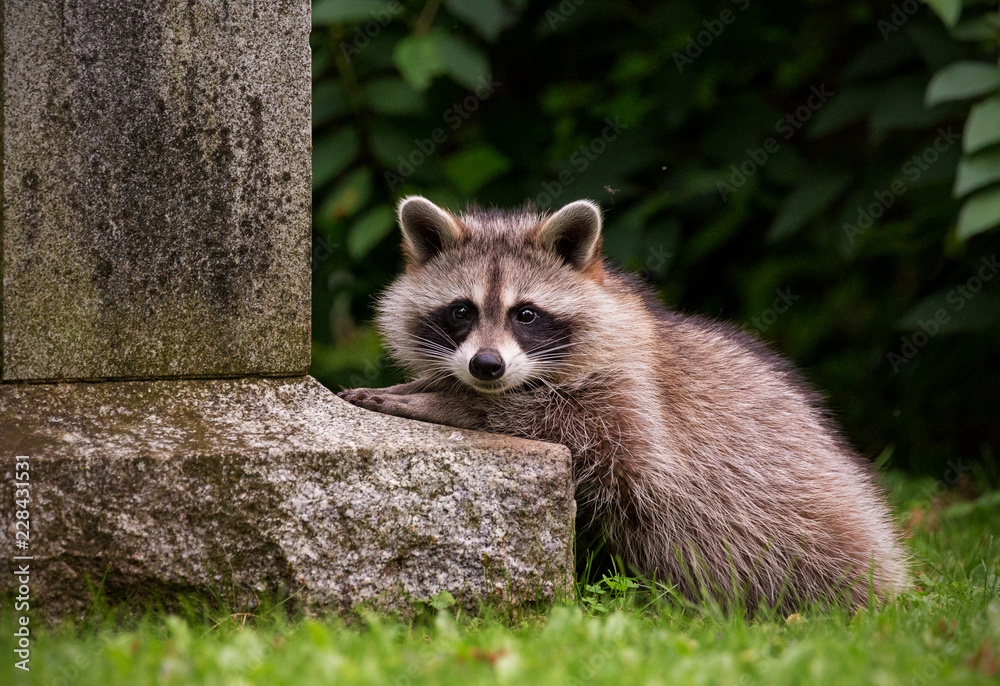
(362, 397)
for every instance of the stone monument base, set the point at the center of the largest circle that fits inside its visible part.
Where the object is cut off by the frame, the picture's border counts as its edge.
(275, 486)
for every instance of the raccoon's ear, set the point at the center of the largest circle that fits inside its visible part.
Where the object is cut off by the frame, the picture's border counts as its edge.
(427, 229)
(573, 233)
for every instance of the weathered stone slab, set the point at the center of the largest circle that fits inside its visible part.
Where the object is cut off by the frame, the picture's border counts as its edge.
(156, 189)
(266, 485)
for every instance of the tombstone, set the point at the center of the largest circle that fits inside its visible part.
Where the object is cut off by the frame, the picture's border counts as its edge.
(155, 253)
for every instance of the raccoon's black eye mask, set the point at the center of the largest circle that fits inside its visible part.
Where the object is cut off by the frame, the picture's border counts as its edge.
(539, 332)
(449, 325)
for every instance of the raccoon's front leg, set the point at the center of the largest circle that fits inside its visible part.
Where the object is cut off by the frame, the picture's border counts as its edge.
(413, 402)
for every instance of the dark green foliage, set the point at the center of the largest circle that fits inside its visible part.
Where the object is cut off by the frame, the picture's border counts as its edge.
(787, 166)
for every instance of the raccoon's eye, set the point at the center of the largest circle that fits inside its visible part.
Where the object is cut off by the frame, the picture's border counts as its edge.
(526, 315)
(460, 312)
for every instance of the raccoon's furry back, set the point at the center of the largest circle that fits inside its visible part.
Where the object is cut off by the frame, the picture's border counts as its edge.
(702, 456)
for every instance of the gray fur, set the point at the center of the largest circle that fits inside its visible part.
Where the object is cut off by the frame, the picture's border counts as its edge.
(700, 454)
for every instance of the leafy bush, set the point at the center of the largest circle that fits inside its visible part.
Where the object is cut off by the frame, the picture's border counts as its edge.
(827, 174)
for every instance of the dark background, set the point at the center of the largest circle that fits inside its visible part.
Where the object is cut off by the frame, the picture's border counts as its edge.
(773, 164)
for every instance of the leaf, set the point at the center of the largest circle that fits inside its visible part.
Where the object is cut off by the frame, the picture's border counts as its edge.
(880, 462)
(328, 102)
(977, 171)
(332, 153)
(466, 63)
(389, 144)
(899, 105)
(885, 57)
(983, 126)
(935, 44)
(487, 17)
(807, 201)
(421, 58)
(442, 600)
(984, 503)
(418, 60)
(961, 81)
(948, 10)
(850, 106)
(934, 163)
(392, 95)
(369, 230)
(980, 213)
(471, 168)
(984, 27)
(349, 197)
(321, 59)
(785, 168)
(715, 234)
(948, 311)
(361, 349)
(348, 11)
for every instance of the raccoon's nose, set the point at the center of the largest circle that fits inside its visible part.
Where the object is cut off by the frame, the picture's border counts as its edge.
(486, 365)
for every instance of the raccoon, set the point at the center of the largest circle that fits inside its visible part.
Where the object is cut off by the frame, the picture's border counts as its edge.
(698, 454)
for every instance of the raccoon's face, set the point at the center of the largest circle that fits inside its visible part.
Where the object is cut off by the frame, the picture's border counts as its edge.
(492, 301)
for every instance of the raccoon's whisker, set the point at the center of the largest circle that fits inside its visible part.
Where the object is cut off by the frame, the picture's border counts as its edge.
(541, 346)
(428, 359)
(429, 342)
(551, 372)
(424, 351)
(563, 343)
(428, 345)
(438, 371)
(428, 366)
(555, 362)
(443, 333)
(544, 354)
(549, 385)
(434, 364)
(431, 355)
(549, 357)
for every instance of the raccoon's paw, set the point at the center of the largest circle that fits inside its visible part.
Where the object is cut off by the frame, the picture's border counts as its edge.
(439, 408)
(368, 398)
(378, 400)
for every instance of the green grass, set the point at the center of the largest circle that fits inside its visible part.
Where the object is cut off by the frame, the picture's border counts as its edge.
(946, 632)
